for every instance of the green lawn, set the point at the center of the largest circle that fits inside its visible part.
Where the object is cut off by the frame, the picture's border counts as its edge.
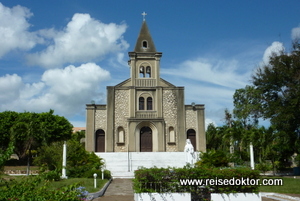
(87, 183)
(290, 186)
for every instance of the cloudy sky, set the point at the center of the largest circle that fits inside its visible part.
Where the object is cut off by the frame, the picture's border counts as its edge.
(62, 54)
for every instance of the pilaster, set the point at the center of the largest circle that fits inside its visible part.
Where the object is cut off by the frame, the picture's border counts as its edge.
(109, 135)
(90, 128)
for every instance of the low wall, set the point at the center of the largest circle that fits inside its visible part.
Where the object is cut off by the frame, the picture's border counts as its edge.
(21, 172)
(162, 196)
(236, 197)
(187, 197)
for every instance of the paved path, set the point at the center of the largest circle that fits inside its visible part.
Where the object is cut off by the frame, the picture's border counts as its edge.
(118, 190)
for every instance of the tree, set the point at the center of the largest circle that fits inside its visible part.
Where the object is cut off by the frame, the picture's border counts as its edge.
(25, 132)
(278, 86)
(273, 95)
(213, 139)
(5, 154)
(32, 130)
(7, 120)
(247, 108)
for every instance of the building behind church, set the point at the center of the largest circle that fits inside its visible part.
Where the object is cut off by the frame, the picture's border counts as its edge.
(144, 113)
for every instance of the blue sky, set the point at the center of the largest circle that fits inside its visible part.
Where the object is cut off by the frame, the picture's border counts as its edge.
(63, 54)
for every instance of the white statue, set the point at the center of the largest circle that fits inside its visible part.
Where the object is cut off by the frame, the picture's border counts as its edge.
(189, 152)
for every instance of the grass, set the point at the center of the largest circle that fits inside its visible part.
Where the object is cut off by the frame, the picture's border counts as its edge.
(87, 183)
(290, 186)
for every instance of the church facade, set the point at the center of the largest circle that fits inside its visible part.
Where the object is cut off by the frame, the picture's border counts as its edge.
(144, 113)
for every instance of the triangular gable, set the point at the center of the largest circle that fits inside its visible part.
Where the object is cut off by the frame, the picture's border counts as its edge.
(124, 83)
(165, 83)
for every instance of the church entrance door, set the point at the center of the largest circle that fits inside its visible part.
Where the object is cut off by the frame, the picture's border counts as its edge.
(191, 134)
(146, 139)
(100, 141)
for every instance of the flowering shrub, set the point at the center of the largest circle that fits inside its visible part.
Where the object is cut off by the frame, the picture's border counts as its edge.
(35, 188)
(82, 192)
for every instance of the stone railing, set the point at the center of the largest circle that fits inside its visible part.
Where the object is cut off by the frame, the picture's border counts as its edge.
(146, 114)
(145, 82)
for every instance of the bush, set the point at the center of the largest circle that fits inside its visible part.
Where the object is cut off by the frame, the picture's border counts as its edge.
(263, 167)
(79, 161)
(51, 176)
(213, 158)
(35, 188)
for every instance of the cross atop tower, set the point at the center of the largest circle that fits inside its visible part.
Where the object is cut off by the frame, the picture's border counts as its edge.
(144, 15)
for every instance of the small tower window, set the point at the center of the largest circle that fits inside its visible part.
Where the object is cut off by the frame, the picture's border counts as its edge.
(145, 44)
(142, 71)
(149, 103)
(148, 71)
(141, 103)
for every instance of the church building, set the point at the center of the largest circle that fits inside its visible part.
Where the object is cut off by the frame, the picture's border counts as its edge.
(144, 113)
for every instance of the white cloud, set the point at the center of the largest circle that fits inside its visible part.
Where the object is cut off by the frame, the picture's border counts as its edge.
(296, 33)
(84, 39)
(210, 82)
(10, 88)
(14, 32)
(64, 90)
(222, 73)
(275, 48)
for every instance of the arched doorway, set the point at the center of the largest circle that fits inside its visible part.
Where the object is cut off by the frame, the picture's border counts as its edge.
(100, 141)
(146, 139)
(191, 134)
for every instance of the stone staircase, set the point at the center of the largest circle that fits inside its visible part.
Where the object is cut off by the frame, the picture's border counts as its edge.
(123, 164)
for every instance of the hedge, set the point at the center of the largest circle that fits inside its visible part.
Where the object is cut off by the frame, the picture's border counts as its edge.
(163, 180)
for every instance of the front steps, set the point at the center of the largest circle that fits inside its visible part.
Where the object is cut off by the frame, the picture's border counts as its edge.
(123, 164)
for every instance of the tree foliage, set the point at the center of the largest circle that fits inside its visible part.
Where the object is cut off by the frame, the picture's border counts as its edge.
(247, 106)
(213, 158)
(278, 84)
(267, 142)
(273, 95)
(32, 130)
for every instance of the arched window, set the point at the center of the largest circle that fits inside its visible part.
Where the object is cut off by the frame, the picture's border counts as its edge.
(171, 134)
(142, 71)
(141, 103)
(145, 44)
(149, 103)
(121, 135)
(148, 71)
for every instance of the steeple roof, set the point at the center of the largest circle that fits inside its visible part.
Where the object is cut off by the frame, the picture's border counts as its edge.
(144, 42)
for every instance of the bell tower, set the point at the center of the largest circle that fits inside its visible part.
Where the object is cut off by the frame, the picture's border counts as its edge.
(144, 60)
